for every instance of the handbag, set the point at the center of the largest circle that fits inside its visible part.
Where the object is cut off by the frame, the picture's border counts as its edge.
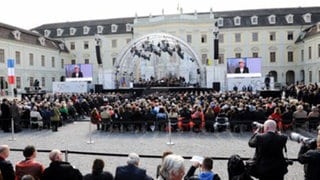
(252, 168)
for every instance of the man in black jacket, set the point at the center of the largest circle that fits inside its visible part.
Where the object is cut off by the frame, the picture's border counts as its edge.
(271, 163)
(310, 157)
(131, 171)
(59, 169)
(6, 167)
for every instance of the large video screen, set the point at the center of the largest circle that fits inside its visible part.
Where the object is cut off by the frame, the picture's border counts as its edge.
(243, 67)
(78, 72)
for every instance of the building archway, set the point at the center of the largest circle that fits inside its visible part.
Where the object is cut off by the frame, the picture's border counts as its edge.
(274, 74)
(156, 57)
(290, 77)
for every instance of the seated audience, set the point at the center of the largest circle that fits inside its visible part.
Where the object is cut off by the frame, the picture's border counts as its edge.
(97, 172)
(59, 169)
(131, 170)
(29, 166)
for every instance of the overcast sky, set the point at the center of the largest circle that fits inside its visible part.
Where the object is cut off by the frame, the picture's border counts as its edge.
(28, 14)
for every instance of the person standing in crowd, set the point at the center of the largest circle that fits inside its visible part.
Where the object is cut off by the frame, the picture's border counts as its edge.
(242, 67)
(59, 169)
(5, 115)
(55, 117)
(29, 165)
(206, 172)
(6, 167)
(95, 117)
(97, 172)
(172, 168)
(271, 163)
(309, 155)
(131, 170)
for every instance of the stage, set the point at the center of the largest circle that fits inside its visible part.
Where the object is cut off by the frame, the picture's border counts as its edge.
(275, 93)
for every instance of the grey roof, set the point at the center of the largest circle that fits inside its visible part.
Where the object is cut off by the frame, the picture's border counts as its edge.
(29, 37)
(228, 17)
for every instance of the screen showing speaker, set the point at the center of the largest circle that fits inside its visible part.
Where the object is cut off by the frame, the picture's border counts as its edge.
(78, 72)
(243, 67)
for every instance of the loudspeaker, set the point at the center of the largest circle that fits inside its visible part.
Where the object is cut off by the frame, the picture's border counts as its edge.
(216, 86)
(98, 88)
(99, 60)
(216, 48)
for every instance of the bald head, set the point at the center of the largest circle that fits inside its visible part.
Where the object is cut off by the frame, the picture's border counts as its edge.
(55, 155)
(270, 126)
(4, 151)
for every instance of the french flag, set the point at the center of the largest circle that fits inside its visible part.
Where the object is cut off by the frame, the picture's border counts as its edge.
(11, 76)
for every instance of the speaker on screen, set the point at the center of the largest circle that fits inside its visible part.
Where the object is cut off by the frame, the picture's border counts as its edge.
(99, 60)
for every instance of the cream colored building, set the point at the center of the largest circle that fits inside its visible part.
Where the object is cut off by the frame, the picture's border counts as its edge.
(281, 37)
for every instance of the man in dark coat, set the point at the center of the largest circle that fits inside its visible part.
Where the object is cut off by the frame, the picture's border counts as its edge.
(309, 155)
(5, 115)
(242, 67)
(59, 169)
(271, 163)
(6, 167)
(131, 171)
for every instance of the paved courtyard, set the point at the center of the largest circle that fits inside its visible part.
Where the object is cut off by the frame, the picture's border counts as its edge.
(75, 137)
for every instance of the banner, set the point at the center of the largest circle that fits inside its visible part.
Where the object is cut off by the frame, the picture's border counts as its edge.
(11, 76)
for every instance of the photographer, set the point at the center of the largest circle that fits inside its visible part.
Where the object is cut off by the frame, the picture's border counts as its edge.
(269, 157)
(309, 155)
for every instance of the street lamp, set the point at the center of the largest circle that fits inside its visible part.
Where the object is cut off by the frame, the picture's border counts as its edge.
(216, 41)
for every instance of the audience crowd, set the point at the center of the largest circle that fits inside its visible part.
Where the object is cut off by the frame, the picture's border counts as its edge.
(187, 111)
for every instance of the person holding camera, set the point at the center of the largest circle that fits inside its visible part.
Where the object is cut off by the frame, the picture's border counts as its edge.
(309, 155)
(269, 157)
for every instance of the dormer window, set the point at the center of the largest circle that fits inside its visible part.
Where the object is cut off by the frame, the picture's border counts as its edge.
(289, 18)
(47, 33)
(128, 27)
(307, 18)
(272, 19)
(42, 41)
(100, 29)
(254, 20)
(59, 32)
(16, 34)
(72, 31)
(237, 21)
(86, 30)
(114, 28)
(220, 22)
(61, 46)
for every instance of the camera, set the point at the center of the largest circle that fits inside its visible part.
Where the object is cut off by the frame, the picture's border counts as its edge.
(257, 125)
(309, 142)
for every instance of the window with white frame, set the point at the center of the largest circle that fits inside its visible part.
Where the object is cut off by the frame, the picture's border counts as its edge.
(43, 61)
(221, 59)
(203, 38)
(100, 29)
(113, 43)
(237, 37)
(31, 59)
(53, 79)
(318, 50)
(62, 63)
(290, 35)
(114, 61)
(255, 54)
(1, 55)
(128, 27)
(59, 32)
(53, 62)
(272, 19)
(114, 28)
(72, 31)
(16, 34)
(254, 20)
(289, 18)
(43, 81)
(238, 55)
(86, 45)
(47, 33)
(302, 55)
(86, 61)
(237, 21)
(221, 38)
(255, 36)
(220, 22)
(310, 76)
(18, 57)
(272, 36)
(189, 38)
(204, 59)
(272, 56)
(42, 41)
(73, 61)
(128, 40)
(86, 30)
(290, 56)
(310, 52)
(307, 18)
(18, 82)
(72, 45)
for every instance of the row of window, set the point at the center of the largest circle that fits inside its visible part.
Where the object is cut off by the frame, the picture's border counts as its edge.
(31, 80)
(86, 30)
(31, 59)
(86, 44)
(272, 19)
(255, 37)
